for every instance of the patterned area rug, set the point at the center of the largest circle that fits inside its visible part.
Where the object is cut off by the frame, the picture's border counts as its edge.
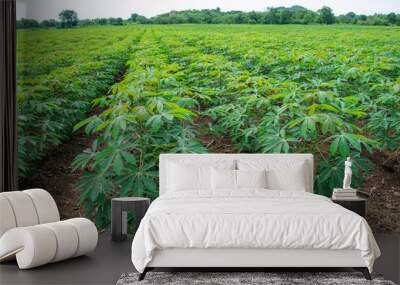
(243, 278)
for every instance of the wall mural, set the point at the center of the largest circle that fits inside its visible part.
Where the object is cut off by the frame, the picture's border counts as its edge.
(103, 91)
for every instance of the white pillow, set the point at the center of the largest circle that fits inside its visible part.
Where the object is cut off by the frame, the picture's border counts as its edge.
(251, 178)
(185, 178)
(282, 174)
(223, 179)
(226, 179)
(193, 174)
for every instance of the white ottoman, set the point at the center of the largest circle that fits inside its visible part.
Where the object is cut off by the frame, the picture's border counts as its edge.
(31, 230)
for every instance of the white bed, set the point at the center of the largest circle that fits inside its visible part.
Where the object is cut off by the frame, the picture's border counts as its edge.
(249, 227)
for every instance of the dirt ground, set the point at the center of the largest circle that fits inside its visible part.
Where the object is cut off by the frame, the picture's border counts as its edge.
(54, 174)
(383, 210)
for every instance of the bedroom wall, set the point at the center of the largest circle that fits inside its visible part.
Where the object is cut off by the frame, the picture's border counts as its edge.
(68, 70)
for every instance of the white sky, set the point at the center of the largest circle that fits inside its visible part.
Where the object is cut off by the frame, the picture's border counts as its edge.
(46, 9)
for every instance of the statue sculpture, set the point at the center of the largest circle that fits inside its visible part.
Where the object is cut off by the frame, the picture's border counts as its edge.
(347, 174)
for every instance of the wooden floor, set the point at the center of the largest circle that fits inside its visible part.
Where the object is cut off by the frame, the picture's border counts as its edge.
(111, 259)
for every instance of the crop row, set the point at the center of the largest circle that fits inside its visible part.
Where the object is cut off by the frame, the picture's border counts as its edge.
(55, 94)
(147, 113)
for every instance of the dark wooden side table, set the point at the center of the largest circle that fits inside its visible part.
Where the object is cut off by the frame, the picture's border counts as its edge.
(357, 205)
(119, 214)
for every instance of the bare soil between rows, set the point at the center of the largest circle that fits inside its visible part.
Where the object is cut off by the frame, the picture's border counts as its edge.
(383, 185)
(54, 174)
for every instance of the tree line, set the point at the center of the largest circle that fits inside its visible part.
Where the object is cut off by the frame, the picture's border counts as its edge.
(67, 19)
(278, 15)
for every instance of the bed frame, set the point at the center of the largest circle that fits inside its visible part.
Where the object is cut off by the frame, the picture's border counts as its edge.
(242, 259)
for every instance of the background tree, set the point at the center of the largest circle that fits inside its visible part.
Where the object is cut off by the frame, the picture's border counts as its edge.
(353, 17)
(116, 21)
(68, 18)
(48, 23)
(27, 24)
(134, 17)
(326, 15)
(310, 17)
(349, 18)
(86, 23)
(254, 17)
(285, 16)
(142, 20)
(271, 16)
(362, 17)
(391, 18)
(100, 21)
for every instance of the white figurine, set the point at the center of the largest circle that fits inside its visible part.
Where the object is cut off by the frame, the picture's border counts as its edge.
(347, 174)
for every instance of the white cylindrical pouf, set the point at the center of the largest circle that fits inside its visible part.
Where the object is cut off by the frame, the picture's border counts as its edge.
(67, 240)
(46, 207)
(31, 232)
(87, 233)
(33, 246)
(7, 218)
(23, 208)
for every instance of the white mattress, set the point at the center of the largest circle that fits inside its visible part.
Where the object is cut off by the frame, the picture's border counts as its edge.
(252, 219)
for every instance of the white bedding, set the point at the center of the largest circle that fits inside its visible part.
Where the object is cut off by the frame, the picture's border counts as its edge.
(251, 218)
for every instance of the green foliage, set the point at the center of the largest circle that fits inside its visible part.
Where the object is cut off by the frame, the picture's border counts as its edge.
(280, 94)
(272, 15)
(115, 21)
(326, 15)
(55, 92)
(271, 89)
(27, 24)
(48, 23)
(68, 18)
(144, 116)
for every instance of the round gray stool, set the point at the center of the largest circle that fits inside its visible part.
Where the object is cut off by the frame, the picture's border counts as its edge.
(119, 214)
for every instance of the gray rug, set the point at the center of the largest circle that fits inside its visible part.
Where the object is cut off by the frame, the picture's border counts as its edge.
(243, 278)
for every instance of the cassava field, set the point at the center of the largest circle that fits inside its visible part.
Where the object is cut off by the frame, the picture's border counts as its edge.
(333, 91)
